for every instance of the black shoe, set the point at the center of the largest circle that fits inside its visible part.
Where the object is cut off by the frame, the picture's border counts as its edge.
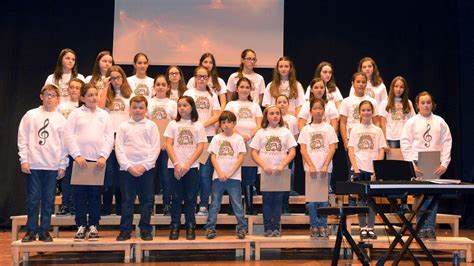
(146, 236)
(211, 233)
(174, 233)
(45, 237)
(190, 234)
(124, 235)
(29, 237)
(430, 235)
(422, 234)
(241, 233)
(167, 210)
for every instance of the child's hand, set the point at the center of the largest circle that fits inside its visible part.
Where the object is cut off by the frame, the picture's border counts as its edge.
(267, 170)
(106, 83)
(185, 168)
(278, 170)
(100, 164)
(312, 169)
(61, 173)
(178, 170)
(140, 169)
(133, 170)
(418, 171)
(81, 161)
(324, 169)
(345, 145)
(246, 137)
(25, 168)
(440, 170)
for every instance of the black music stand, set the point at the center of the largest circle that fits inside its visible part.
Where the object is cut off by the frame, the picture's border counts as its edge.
(342, 231)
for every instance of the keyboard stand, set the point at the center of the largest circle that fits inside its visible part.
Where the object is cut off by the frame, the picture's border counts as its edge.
(407, 226)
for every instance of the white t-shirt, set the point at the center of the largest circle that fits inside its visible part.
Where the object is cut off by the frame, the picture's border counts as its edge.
(63, 85)
(350, 109)
(205, 105)
(192, 85)
(258, 84)
(186, 136)
(379, 93)
(246, 113)
(366, 141)
(330, 112)
(159, 109)
(41, 140)
(268, 99)
(141, 86)
(426, 134)
(273, 144)
(137, 143)
(227, 150)
(291, 123)
(317, 138)
(66, 107)
(334, 96)
(174, 95)
(396, 119)
(120, 110)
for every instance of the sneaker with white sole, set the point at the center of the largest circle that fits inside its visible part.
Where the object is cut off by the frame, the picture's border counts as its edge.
(202, 211)
(81, 233)
(93, 233)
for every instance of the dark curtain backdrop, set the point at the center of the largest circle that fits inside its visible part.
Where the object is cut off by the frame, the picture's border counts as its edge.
(430, 43)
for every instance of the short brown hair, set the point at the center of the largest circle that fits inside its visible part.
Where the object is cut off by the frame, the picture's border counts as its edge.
(424, 93)
(139, 99)
(227, 116)
(50, 87)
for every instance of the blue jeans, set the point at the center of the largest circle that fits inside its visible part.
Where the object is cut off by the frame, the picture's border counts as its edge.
(41, 186)
(143, 187)
(249, 175)
(87, 201)
(364, 219)
(235, 195)
(164, 177)
(66, 186)
(272, 202)
(430, 222)
(185, 190)
(205, 180)
(111, 185)
(314, 219)
(395, 144)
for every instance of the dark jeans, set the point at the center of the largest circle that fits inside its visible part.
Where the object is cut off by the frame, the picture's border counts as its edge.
(111, 186)
(143, 187)
(185, 190)
(205, 180)
(41, 186)
(272, 202)
(249, 175)
(66, 186)
(87, 201)
(164, 177)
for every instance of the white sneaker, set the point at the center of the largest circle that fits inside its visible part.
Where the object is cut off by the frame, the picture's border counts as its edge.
(202, 211)
(93, 233)
(81, 233)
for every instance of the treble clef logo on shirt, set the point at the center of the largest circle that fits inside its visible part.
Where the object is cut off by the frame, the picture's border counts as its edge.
(427, 137)
(43, 134)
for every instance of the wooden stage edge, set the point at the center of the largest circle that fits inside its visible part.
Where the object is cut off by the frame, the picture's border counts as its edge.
(136, 247)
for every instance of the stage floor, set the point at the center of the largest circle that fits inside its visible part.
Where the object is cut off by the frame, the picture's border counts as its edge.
(285, 257)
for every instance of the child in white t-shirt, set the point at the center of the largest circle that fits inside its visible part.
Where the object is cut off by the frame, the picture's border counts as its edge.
(161, 110)
(249, 117)
(227, 151)
(273, 148)
(103, 62)
(141, 83)
(185, 138)
(175, 77)
(375, 87)
(318, 143)
(325, 71)
(366, 144)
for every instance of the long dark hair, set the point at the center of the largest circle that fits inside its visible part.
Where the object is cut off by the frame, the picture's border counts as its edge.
(58, 70)
(194, 112)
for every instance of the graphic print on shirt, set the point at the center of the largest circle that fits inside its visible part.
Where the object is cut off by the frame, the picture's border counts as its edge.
(397, 112)
(355, 112)
(225, 149)
(66, 112)
(273, 144)
(244, 113)
(427, 137)
(316, 141)
(158, 113)
(118, 105)
(185, 136)
(366, 141)
(43, 134)
(285, 91)
(370, 92)
(203, 103)
(141, 89)
(63, 86)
